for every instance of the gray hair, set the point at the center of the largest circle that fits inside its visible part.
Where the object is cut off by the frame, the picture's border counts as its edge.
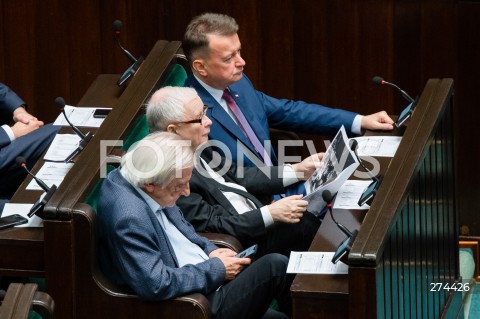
(156, 159)
(167, 106)
(195, 40)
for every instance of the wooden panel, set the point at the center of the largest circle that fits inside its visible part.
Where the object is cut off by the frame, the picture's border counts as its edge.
(320, 51)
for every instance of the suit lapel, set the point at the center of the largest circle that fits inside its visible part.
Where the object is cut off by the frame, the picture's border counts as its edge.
(218, 115)
(212, 186)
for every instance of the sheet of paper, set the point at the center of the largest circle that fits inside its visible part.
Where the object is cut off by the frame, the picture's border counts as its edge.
(62, 146)
(381, 146)
(338, 163)
(309, 262)
(349, 194)
(22, 209)
(50, 173)
(80, 116)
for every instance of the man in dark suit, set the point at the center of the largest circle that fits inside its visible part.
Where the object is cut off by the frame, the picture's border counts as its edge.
(221, 198)
(146, 244)
(212, 46)
(27, 137)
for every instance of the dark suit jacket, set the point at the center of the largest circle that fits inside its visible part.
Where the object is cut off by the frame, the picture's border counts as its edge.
(208, 210)
(9, 101)
(30, 146)
(264, 112)
(135, 251)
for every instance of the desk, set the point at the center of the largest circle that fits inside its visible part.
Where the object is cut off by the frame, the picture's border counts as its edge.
(326, 296)
(22, 249)
(408, 238)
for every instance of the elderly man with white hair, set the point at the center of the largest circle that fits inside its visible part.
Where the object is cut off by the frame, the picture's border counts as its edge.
(145, 244)
(224, 197)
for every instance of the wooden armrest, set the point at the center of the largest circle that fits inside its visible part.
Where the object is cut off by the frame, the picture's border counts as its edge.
(21, 298)
(223, 240)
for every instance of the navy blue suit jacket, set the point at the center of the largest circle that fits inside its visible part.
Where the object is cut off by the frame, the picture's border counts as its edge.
(135, 251)
(31, 146)
(9, 101)
(264, 112)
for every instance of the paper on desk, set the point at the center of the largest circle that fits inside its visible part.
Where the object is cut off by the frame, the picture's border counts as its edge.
(312, 262)
(23, 210)
(80, 116)
(50, 173)
(381, 146)
(62, 146)
(349, 194)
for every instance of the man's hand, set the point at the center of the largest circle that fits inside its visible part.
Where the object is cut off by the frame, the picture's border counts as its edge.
(20, 129)
(288, 209)
(22, 116)
(232, 264)
(377, 121)
(307, 167)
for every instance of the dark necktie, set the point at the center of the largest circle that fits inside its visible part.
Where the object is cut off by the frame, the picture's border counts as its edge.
(246, 128)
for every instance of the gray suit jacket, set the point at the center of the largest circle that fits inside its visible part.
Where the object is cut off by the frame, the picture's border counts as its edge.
(134, 250)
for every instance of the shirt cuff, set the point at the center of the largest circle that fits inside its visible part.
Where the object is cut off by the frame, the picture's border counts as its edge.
(357, 125)
(9, 132)
(289, 176)
(267, 217)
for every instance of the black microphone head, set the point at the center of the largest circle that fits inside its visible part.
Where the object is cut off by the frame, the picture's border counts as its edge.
(20, 160)
(353, 145)
(60, 103)
(117, 26)
(377, 80)
(327, 196)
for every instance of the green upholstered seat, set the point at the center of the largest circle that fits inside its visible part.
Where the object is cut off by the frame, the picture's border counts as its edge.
(176, 77)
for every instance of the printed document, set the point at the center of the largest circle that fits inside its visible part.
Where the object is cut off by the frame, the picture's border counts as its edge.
(62, 146)
(338, 163)
(80, 116)
(349, 194)
(50, 173)
(381, 146)
(313, 262)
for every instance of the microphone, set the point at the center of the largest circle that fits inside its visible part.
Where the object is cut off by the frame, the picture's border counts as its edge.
(22, 163)
(346, 245)
(132, 69)
(353, 147)
(43, 199)
(85, 138)
(328, 198)
(380, 81)
(371, 190)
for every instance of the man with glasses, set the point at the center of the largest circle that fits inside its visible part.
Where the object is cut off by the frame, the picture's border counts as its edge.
(224, 198)
(146, 244)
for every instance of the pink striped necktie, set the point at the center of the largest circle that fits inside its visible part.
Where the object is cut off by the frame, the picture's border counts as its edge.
(246, 128)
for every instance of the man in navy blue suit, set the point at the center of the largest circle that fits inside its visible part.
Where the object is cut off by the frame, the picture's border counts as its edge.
(146, 244)
(212, 46)
(27, 137)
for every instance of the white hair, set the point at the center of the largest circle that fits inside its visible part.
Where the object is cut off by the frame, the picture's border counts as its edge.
(156, 159)
(167, 106)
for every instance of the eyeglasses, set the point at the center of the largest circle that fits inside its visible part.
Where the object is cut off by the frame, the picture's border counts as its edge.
(199, 120)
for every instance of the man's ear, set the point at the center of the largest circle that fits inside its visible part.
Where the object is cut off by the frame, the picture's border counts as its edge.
(148, 188)
(199, 67)
(171, 128)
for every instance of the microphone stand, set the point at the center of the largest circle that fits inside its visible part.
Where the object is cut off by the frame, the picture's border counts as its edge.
(37, 208)
(81, 146)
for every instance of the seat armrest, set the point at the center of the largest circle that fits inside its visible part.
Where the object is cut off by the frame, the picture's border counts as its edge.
(20, 298)
(223, 240)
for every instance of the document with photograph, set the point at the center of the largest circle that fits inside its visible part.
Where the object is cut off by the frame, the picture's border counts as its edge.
(338, 164)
